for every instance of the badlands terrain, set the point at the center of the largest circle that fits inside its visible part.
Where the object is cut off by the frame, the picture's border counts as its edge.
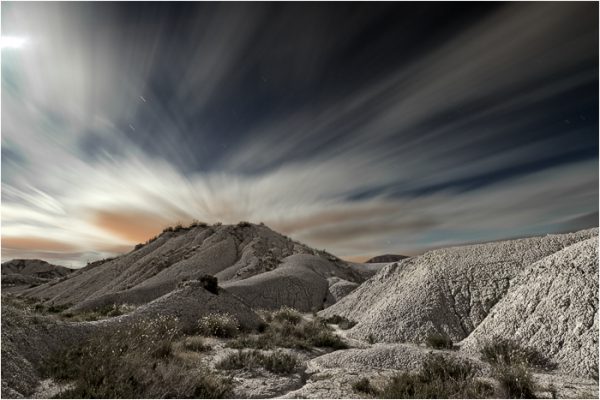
(241, 311)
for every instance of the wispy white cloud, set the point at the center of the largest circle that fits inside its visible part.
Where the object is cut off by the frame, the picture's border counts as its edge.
(88, 138)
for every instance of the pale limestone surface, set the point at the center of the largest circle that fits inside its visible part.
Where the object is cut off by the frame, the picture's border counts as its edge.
(552, 307)
(448, 291)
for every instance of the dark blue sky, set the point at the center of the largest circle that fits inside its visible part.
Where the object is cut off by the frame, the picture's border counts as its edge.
(363, 128)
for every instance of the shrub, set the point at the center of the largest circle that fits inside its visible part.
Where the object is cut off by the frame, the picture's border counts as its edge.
(195, 223)
(304, 335)
(371, 339)
(251, 342)
(363, 385)
(210, 283)
(195, 343)
(439, 341)
(499, 351)
(244, 224)
(277, 362)
(138, 246)
(132, 362)
(287, 314)
(341, 322)
(178, 227)
(219, 325)
(515, 381)
(162, 349)
(327, 339)
(439, 377)
(55, 309)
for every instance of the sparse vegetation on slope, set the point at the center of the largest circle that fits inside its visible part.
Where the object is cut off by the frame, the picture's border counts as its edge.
(287, 314)
(195, 343)
(511, 362)
(107, 311)
(59, 310)
(284, 329)
(500, 351)
(133, 362)
(219, 325)
(277, 362)
(515, 381)
(439, 377)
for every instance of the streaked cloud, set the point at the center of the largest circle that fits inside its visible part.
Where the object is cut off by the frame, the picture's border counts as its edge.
(347, 135)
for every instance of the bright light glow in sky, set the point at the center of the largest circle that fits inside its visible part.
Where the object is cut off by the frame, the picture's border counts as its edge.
(361, 128)
(13, 42)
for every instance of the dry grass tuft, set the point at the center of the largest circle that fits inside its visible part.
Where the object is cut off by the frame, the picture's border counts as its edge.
(439, 377)
(219, 325)
(277, 362)
(283, 329)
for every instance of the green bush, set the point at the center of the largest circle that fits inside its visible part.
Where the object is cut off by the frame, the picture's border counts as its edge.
(277, 362)
(439, 341)
(439, 377)
(219, 325)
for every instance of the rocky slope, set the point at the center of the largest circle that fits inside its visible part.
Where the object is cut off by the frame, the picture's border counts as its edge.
(541, 292)
(302, 282)
(449, 291)
(552, 307)
(235, 254)
(36, 268)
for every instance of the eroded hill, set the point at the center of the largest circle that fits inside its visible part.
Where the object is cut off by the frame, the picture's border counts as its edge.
(249, 256)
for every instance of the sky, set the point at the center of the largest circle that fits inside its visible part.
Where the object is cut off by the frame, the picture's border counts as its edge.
(360, 128)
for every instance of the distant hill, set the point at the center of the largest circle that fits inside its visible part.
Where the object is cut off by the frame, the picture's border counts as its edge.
(20, 274)
(35, 268)
(386, 258)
